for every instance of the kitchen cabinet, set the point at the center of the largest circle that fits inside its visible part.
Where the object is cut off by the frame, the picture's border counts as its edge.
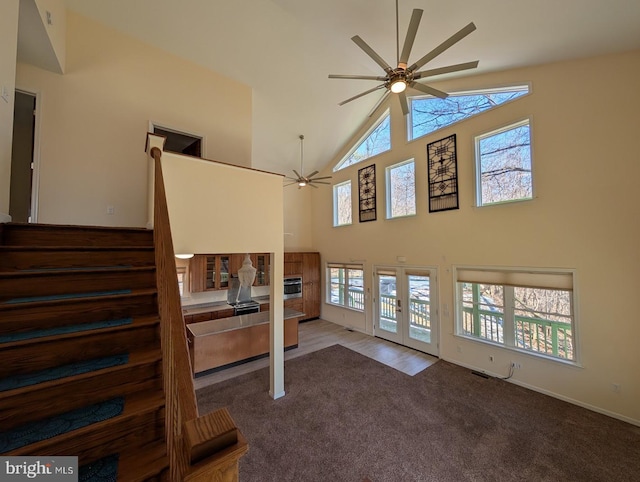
(311, 285)
(212, 271)
(292, 264)
(260, 262)
(308, 266)
(209, 272)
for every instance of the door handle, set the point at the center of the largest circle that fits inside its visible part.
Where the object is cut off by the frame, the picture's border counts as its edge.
(398, 305)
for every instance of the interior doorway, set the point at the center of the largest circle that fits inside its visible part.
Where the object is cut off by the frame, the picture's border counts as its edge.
(23, 192)
(179, 142)
(406, 307)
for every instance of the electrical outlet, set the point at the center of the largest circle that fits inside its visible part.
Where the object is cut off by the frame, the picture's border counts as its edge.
(459, 349)
(516, 365)
(111, 210)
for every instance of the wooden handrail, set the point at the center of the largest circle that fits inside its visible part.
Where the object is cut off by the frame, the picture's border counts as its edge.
(199, 448)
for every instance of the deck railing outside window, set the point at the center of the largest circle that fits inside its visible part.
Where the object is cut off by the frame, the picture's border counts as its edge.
(534, 334)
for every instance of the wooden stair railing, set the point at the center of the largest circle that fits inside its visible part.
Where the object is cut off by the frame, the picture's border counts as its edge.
(200, 448)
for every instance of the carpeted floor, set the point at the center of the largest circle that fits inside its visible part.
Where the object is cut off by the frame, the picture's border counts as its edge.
(346, 417)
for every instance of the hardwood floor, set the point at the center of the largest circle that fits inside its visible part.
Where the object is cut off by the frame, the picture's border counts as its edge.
(318, 334)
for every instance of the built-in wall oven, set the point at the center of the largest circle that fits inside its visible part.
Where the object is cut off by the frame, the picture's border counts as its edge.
(292, 287)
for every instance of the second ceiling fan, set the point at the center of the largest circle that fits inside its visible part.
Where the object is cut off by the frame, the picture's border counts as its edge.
(396, 80)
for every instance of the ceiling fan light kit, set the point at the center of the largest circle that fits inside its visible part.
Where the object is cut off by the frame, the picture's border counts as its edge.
(397, 80)
(301, 180)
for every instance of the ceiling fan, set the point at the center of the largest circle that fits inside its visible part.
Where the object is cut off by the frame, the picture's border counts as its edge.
(396, 80)
(301, 180)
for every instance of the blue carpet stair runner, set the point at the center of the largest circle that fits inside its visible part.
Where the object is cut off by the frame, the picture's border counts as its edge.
(63, 330)
(27, 379)
(34, 299)
(44, 429)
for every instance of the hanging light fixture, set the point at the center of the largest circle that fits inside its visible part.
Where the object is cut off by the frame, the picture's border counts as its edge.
(301, 180)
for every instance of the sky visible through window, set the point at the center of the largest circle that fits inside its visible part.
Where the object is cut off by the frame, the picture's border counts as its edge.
(430, 113)
(379, 140)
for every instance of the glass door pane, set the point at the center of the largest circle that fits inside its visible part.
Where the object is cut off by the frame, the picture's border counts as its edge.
(388, 309)
(419, 308)
(224, 272)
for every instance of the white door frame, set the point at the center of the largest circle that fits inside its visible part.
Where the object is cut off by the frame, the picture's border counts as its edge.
(402, 336)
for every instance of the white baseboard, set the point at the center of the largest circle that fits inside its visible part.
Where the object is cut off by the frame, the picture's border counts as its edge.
(593, 408)
(5, 218)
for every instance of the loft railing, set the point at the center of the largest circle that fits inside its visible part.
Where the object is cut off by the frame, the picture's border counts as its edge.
(535, 334)
(199, 447)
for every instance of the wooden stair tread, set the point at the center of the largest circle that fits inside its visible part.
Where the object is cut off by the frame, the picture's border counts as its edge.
(22, 247)
(137, 323)
(140, 465)
(137, 358)
(93, 270)
(114, 298)
(135, 406)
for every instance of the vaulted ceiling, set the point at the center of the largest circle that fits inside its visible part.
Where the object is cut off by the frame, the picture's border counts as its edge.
(284, 50)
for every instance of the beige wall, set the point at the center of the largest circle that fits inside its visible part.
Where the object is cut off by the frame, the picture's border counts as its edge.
(585, 215)
(94, 121)
(217, 208)
(298, 219)
(8, 49)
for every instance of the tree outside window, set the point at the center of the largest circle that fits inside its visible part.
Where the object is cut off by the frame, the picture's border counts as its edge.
(401, 189)
(342, 204)
(503, 160)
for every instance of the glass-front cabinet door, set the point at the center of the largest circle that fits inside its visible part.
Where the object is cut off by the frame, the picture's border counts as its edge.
(217, 272)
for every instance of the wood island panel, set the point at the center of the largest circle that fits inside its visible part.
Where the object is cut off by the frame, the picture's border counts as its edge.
(218, 349)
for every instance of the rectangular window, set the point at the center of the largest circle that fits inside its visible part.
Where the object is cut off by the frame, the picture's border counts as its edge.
(345, 285)
(525, 310)
(503, 165)
(401, 189)
(342, 204)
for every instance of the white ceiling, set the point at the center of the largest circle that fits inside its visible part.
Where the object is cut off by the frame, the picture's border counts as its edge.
(284, 49)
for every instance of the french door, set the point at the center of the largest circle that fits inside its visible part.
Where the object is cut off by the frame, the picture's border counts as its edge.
(406, 307)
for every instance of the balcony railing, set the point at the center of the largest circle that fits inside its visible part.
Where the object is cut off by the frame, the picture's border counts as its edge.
(534, 334)
(418, 311)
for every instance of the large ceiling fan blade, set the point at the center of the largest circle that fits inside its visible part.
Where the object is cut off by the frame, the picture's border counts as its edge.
(309, 184)
(403, 103)
(455, 38)
(362, 94)
(358, 77)
(318, 178)
(371, 53)
(296, 173)
(313, 181)
(428, 90)
(380, 101)
(312, 174)
(445, 70)
(414, 23)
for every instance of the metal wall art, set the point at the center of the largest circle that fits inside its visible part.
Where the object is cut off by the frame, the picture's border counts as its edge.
(443, 174)
(367, 193)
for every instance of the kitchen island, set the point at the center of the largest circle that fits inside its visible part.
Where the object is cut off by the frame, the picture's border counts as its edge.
(227, 341)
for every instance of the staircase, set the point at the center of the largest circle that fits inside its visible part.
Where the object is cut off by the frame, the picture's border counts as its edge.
(81, 370)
